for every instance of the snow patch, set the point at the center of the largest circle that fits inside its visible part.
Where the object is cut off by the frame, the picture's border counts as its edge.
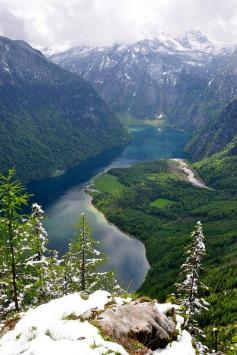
(48, 329)
(56, 328)
(165, 307)
(182, 346)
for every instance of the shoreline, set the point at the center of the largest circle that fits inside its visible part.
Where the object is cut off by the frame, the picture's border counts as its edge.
(190, 177)
(121, 231)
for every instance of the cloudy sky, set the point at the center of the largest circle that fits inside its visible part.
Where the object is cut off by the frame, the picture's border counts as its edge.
(46, 23)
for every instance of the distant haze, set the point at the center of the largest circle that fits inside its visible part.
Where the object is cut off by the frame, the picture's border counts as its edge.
(64, 23)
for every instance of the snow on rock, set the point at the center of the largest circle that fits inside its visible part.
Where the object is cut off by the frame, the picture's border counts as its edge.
(62, 327)
(47, 330)
(165, 307)
(120, 301)
(48, 51)
(183, 346)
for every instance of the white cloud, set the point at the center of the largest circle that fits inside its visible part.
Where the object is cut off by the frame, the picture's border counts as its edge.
(11, 25)
(102, 22)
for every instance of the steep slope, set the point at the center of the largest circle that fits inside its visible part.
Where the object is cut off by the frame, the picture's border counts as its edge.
(164, 76)
(220, 88)
(160, 207)
(223, 76)
(50, 119)
(220, 170)
(217, 135)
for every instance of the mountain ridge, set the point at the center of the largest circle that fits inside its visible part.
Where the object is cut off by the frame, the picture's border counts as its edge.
(174, 77)
(49, 118)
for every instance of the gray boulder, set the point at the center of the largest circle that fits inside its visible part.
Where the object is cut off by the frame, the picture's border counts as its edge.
(138, 321)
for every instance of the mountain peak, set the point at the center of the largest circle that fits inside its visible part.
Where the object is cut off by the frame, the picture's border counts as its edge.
(195, 39)
(197, 35)
(7, 43)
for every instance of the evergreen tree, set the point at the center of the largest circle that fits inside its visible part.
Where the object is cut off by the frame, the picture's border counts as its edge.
(29, 272)
(42, 265)
(12, 198)
(40, 236)
(189, 290)
(82, 261)
(55, 276)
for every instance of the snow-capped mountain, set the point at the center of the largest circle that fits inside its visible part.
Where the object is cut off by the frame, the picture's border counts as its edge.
(49, 51)
(150, 77)
(197, 41)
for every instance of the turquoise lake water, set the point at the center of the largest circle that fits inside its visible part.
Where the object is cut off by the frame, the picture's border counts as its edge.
(63, 199)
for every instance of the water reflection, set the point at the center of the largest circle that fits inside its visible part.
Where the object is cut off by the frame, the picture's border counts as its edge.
(64, 200)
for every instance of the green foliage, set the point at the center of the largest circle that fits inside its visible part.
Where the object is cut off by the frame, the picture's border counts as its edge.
(39, 261)
(71, 316)
(27, 268)
(50, 119)
(108, 183)
(161, 203)
(12, 196)
(190, 289)
(30, 273)
(220, 172)
(166, 231)
(38, 152)
(218, 135)
(82, 262)
(12, 199)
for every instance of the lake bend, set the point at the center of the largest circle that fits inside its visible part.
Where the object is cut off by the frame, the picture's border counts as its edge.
(63, 198)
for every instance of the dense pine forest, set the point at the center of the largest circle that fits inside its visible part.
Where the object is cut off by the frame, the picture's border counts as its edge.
(153, 202)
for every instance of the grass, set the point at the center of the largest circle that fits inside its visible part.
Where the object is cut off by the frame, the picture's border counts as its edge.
(108, 183)
(129, 121)
(130, 344)
(71, 316)
(161, 203)
(18, 336)
(94, 345)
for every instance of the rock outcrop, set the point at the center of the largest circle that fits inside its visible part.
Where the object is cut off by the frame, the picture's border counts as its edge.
(139, 321)
(94, 325)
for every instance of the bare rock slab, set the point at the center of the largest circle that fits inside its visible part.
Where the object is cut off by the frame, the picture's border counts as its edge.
(140, 321)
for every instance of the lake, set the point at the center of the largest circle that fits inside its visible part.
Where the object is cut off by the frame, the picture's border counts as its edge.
(63, 199)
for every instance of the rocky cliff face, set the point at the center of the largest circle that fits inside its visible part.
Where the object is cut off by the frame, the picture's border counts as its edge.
(49, 118)
(174, 77)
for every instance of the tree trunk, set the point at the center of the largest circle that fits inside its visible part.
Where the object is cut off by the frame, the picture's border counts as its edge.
(13, 266)
(190, 299)
(83, 286)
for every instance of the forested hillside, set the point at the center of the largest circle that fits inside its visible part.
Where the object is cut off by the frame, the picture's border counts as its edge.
(218, 135)
(50, 119)
(155, 203)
